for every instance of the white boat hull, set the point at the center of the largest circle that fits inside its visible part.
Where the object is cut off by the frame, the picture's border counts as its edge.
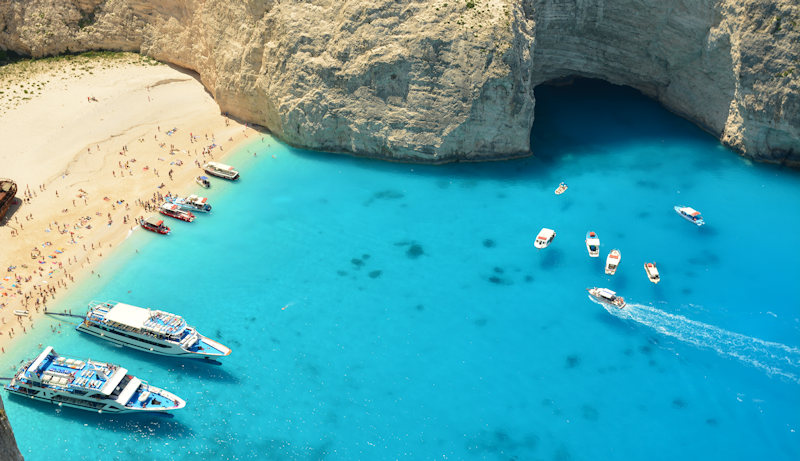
(89, 405)
(612, 262)
(163, 348)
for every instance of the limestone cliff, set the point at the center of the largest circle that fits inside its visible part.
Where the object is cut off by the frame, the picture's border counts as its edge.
(8, 444)
(446, 80)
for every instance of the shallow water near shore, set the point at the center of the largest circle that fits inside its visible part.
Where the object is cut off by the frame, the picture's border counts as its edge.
(380, 311)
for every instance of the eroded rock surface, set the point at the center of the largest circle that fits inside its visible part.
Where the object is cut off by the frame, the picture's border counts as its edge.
(434, 80)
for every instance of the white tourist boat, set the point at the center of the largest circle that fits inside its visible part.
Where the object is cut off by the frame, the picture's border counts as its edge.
(191, 203)
(148, 330)
(593, 244)
(689, 214)
(606, 296)
(652, 272)
(612, 261)
(544, 238)
(88, 385)
(562, 187)
(221, 170)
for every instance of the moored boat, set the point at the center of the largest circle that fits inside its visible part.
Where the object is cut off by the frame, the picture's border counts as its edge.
(203, 181)
(561, 188)
(174, 211)
(689, 214)
(593, 244)
(606, 296)
(191, 203)
(221, 170)
(8, 190)
(612, 261)
(155, 224)
(652, 272)
(148, 330)
(544, 238)
(88, 385)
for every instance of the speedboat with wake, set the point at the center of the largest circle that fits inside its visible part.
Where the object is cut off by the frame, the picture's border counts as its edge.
(88, 385)
(593, 244)
(689, 214)
(652, 272)
(544, 238)
(148, 330)
(606, 296)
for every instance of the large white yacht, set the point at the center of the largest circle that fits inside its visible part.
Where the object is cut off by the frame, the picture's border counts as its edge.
(88, 385)
(148, 330)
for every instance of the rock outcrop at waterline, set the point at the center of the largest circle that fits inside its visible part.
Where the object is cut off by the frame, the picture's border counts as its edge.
(8, 444)
(447, 80)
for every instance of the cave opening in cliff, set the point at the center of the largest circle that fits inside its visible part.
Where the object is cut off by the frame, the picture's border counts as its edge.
(592, 116)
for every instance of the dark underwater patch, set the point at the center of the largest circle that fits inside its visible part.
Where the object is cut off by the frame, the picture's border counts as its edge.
(415, 251)
(488, 243)
(679, 403)
(388, 194)
(503, 445)
(357, 262)
(589, 412)
(375, 274)
(573, 361)
(499, 280)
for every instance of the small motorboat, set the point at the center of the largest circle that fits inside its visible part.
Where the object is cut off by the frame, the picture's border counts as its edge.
(652, 272)
(544, 238)
(221, 170)
(203, 181)
(561, 188)
(593, 244)
(174, 211)
(689, 214)
(612, 261)
(606, 296)
(155, 224)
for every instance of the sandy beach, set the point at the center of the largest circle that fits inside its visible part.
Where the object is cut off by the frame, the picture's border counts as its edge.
(92, 143)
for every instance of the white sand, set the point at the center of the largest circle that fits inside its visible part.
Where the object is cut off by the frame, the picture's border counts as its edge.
(56, 145)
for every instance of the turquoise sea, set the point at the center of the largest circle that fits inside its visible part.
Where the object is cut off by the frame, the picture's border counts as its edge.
(385, 311)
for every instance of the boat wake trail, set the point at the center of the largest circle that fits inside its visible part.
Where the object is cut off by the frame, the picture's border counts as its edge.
(774, 358)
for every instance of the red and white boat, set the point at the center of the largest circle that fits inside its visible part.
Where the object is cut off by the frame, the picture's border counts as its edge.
(174, 211)
(612, 261)
(652, 272)
(155, 224)
(593, 244)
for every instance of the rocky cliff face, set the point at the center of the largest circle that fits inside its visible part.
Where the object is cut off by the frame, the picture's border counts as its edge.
(8, 444)
(446, 80)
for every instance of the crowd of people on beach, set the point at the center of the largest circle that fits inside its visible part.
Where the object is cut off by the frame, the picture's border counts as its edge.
(74, 239)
